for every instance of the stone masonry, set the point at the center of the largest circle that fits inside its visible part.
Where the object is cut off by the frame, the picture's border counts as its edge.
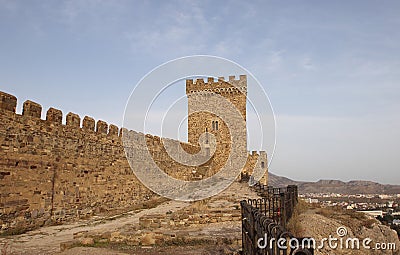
(52, 172)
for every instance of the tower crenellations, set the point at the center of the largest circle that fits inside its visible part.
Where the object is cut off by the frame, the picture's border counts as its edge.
(234, 90)
(219, 86)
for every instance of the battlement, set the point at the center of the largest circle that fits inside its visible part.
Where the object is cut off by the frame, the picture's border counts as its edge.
(30, 109)
(54, 116)
(220, 86)
(55, 172)
(8, 102)
(257, 153)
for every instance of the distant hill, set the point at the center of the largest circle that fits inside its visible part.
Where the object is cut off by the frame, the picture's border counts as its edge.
(335, 186)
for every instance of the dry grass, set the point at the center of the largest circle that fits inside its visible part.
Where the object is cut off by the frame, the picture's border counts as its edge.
(18, 230)
(294, 225)
(354, 220)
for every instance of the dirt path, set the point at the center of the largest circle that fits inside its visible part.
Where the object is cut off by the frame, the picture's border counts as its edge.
(47, 240)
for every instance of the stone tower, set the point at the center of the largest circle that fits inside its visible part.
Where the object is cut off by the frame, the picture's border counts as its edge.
(235, 91)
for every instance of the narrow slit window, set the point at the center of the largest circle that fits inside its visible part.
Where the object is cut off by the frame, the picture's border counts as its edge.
(216, 125)
(213, 125)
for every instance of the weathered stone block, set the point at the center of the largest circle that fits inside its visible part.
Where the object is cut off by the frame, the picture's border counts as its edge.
(88, 123)
(8, 102)
(101, 127)
(67, 245)
(113, 130)
(32, 109)
(87, 241)
(73, 120)
(54, 115)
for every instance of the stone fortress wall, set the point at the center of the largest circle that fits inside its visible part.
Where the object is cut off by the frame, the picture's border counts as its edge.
(52, 173)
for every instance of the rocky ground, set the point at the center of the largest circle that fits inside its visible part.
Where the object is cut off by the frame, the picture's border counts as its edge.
(322, 223)
(211, 226)
(207, 227)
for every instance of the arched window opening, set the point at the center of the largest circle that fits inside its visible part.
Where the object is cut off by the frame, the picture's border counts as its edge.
(216, 125)
(262, 164)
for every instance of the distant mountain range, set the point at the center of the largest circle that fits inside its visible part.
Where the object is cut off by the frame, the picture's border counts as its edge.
(335, 186)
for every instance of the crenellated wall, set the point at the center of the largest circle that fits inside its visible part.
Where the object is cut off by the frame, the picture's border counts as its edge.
(51, 172)
(54, 172)
(219, 85)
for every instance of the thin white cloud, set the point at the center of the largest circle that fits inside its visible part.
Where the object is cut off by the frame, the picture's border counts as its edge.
(308, 64)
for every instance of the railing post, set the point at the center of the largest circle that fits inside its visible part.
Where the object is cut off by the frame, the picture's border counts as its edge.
(243, 228)
(283, 209)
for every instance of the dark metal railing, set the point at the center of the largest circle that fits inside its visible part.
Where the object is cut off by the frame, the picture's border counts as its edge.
(276, 203)
(264, 222)
(262, 235)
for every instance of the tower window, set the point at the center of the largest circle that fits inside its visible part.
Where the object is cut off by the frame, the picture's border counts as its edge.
(215, 125)
(262, 164)
(206, 135)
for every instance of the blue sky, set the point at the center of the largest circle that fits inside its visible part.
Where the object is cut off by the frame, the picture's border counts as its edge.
(330, 68)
